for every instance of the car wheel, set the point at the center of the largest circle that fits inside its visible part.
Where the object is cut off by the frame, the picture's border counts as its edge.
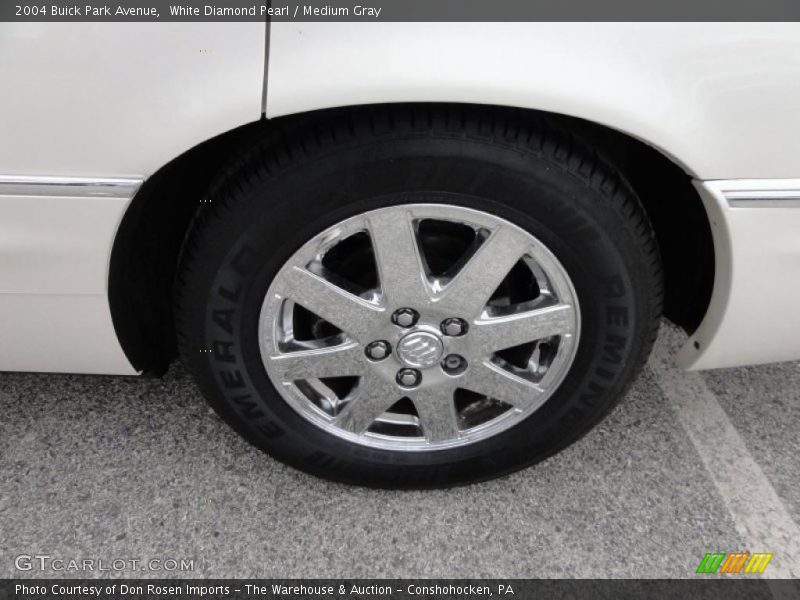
(417, 297)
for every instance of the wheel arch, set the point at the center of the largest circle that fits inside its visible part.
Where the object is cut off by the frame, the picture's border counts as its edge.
(147, 246)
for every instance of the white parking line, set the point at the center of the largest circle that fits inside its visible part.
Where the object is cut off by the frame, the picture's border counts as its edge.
(761, 519)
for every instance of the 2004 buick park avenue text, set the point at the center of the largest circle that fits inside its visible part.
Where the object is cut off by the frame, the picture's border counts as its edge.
(86, 10)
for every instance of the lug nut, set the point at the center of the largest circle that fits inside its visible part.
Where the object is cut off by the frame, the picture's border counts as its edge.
(454, 327)
(405, 317)
(453, 364)
(409, 377)
(378, 350)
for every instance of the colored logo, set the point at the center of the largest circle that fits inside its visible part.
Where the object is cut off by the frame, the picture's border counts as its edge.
(733, 563)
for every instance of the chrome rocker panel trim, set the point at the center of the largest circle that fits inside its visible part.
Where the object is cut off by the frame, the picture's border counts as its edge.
(56, 235)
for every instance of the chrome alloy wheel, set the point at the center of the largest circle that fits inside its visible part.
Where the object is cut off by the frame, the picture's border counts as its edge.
(419, 327)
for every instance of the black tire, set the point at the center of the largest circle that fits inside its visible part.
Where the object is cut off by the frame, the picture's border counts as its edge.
(309, 174)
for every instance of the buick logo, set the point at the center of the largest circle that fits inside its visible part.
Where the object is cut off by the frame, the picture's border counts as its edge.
(420, 349)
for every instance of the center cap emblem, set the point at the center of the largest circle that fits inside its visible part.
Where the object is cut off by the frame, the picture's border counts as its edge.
(420, 349)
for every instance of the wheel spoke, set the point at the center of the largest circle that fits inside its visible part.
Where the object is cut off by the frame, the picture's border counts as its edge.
(473, 285)
(499, 333)
(328, 397)
(399, 260)
(495, 382)
(335, 361)
(370, 401)
(353, 315)
(437, 413)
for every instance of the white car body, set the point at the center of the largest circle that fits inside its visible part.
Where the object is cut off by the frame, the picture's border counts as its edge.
(94, 110)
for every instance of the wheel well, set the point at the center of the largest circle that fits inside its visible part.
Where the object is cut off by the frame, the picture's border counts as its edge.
(147, 247)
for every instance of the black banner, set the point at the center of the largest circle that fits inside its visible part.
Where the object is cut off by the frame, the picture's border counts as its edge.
(733, 588)
(398, 10)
